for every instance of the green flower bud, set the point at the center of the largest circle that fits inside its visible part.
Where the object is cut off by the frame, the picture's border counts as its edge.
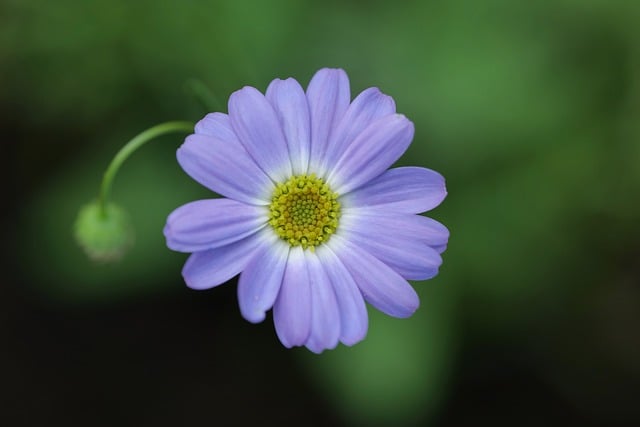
(105, 235)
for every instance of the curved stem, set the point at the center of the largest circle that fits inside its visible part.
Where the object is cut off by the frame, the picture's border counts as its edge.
(131, 146)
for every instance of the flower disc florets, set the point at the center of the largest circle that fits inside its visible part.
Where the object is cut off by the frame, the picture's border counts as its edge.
(304, 211)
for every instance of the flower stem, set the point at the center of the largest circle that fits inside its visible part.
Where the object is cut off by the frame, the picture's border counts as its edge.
(131, 146)
(204, 95)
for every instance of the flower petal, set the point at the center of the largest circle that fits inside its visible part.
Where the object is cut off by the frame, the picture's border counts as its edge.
(372, 152)
(217, 125)
(329, 96)
(354, 320)
(367, 107)
(376, 222)
(410, 257)
(325, 317)
(292, 310)
(290, 103)
(208, 224)
(382, 287)
(225, 168)
(407, 189)
(256, 124)
(207, 269)
(261, 279)
(440, 248)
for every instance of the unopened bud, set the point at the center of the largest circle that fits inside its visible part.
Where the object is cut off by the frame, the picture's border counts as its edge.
(105, 235)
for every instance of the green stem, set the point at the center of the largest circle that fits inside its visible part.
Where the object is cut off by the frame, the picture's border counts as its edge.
(204, 95)
(131, 146)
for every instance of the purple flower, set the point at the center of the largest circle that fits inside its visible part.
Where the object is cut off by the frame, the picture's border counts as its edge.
(312, 220)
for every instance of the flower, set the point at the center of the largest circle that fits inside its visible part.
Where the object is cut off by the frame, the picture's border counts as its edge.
(311, 218)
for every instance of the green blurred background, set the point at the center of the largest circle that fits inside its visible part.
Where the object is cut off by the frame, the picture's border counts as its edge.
(531, 110)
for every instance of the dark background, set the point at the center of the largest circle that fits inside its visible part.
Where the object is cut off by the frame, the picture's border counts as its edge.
(531, 110)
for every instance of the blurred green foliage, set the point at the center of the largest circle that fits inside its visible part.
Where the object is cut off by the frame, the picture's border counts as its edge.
(529, 109)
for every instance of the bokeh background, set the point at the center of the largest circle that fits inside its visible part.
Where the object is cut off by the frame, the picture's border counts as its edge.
(531, 110)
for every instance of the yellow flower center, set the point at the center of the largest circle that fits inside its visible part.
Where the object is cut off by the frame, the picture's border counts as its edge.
(304, 211)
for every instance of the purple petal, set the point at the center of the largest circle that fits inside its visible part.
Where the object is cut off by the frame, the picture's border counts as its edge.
(261, 279)
(440, 248)
(292, 310)
(290, 103)
(407, 189)
(410, 257)
(325, 317)
(372, 152)
(382, 287)
(206, 269)
(354, 320)
(217, 125)
(256, 124)
(225, 168)
(375, 222)
(366, 108)
(208, 224)
(329, 96)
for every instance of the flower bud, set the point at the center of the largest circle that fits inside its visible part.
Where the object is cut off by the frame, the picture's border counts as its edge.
(105, 235)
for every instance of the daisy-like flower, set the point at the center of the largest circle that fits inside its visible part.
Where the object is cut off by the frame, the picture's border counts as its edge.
(311, 218)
